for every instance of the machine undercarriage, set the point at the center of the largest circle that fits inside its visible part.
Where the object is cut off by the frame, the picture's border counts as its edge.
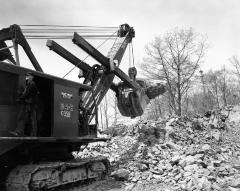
(56, 175)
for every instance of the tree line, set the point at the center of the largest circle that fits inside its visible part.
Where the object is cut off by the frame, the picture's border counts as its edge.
(175, 58)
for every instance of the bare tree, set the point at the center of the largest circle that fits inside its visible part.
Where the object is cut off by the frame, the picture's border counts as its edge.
(105, 111)
(234, 60)
(154, 109)
(115, 111)
(220, 89)
(212, 86)
(115, 115)
(109, 113)
(175, 58)
(223, 84)
(101, 116)
(236, 64)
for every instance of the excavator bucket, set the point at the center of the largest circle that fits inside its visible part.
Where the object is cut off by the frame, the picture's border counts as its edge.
(123, 103)
(133, 103)
(139, 102)
(130, 103)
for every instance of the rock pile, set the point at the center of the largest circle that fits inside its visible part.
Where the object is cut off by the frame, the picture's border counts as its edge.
(198, 153)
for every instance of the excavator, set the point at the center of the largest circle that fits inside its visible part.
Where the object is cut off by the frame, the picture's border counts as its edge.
(67, 112)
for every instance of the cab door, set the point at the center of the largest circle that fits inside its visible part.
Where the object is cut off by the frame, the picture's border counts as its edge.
(65, 111)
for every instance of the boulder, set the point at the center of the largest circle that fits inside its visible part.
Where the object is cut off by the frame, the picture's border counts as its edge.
(189, 160)
(235, 183)
(196, 125)
(121, 174)
(206, 147)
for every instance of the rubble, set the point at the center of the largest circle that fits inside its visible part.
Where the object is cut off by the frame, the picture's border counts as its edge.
(176, 154)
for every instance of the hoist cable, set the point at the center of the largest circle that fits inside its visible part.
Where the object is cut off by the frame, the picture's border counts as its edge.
(129, 57)
(87, 56)
(132, 55)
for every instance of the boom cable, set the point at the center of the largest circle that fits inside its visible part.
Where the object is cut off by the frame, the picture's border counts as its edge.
(68, 36)
(65, 32)
(69, 26)
(88, 55)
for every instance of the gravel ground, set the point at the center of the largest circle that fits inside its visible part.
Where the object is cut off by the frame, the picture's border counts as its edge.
(187, 153)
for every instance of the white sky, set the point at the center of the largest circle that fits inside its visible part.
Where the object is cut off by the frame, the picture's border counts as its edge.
(218, 19)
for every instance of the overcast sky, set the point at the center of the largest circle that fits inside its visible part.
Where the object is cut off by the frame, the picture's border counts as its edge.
(218, 19)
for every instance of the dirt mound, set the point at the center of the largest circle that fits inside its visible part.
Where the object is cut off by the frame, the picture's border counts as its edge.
(198, 153)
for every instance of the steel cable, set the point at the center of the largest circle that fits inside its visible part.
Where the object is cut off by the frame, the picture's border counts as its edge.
(132, 54)
(69, 26)
(88, 55)
(65, 32)
(68, 36)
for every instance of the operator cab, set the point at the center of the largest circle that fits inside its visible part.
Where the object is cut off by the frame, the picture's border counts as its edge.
(57, 104)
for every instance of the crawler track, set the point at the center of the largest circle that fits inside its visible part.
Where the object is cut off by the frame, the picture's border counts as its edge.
(57, 175)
